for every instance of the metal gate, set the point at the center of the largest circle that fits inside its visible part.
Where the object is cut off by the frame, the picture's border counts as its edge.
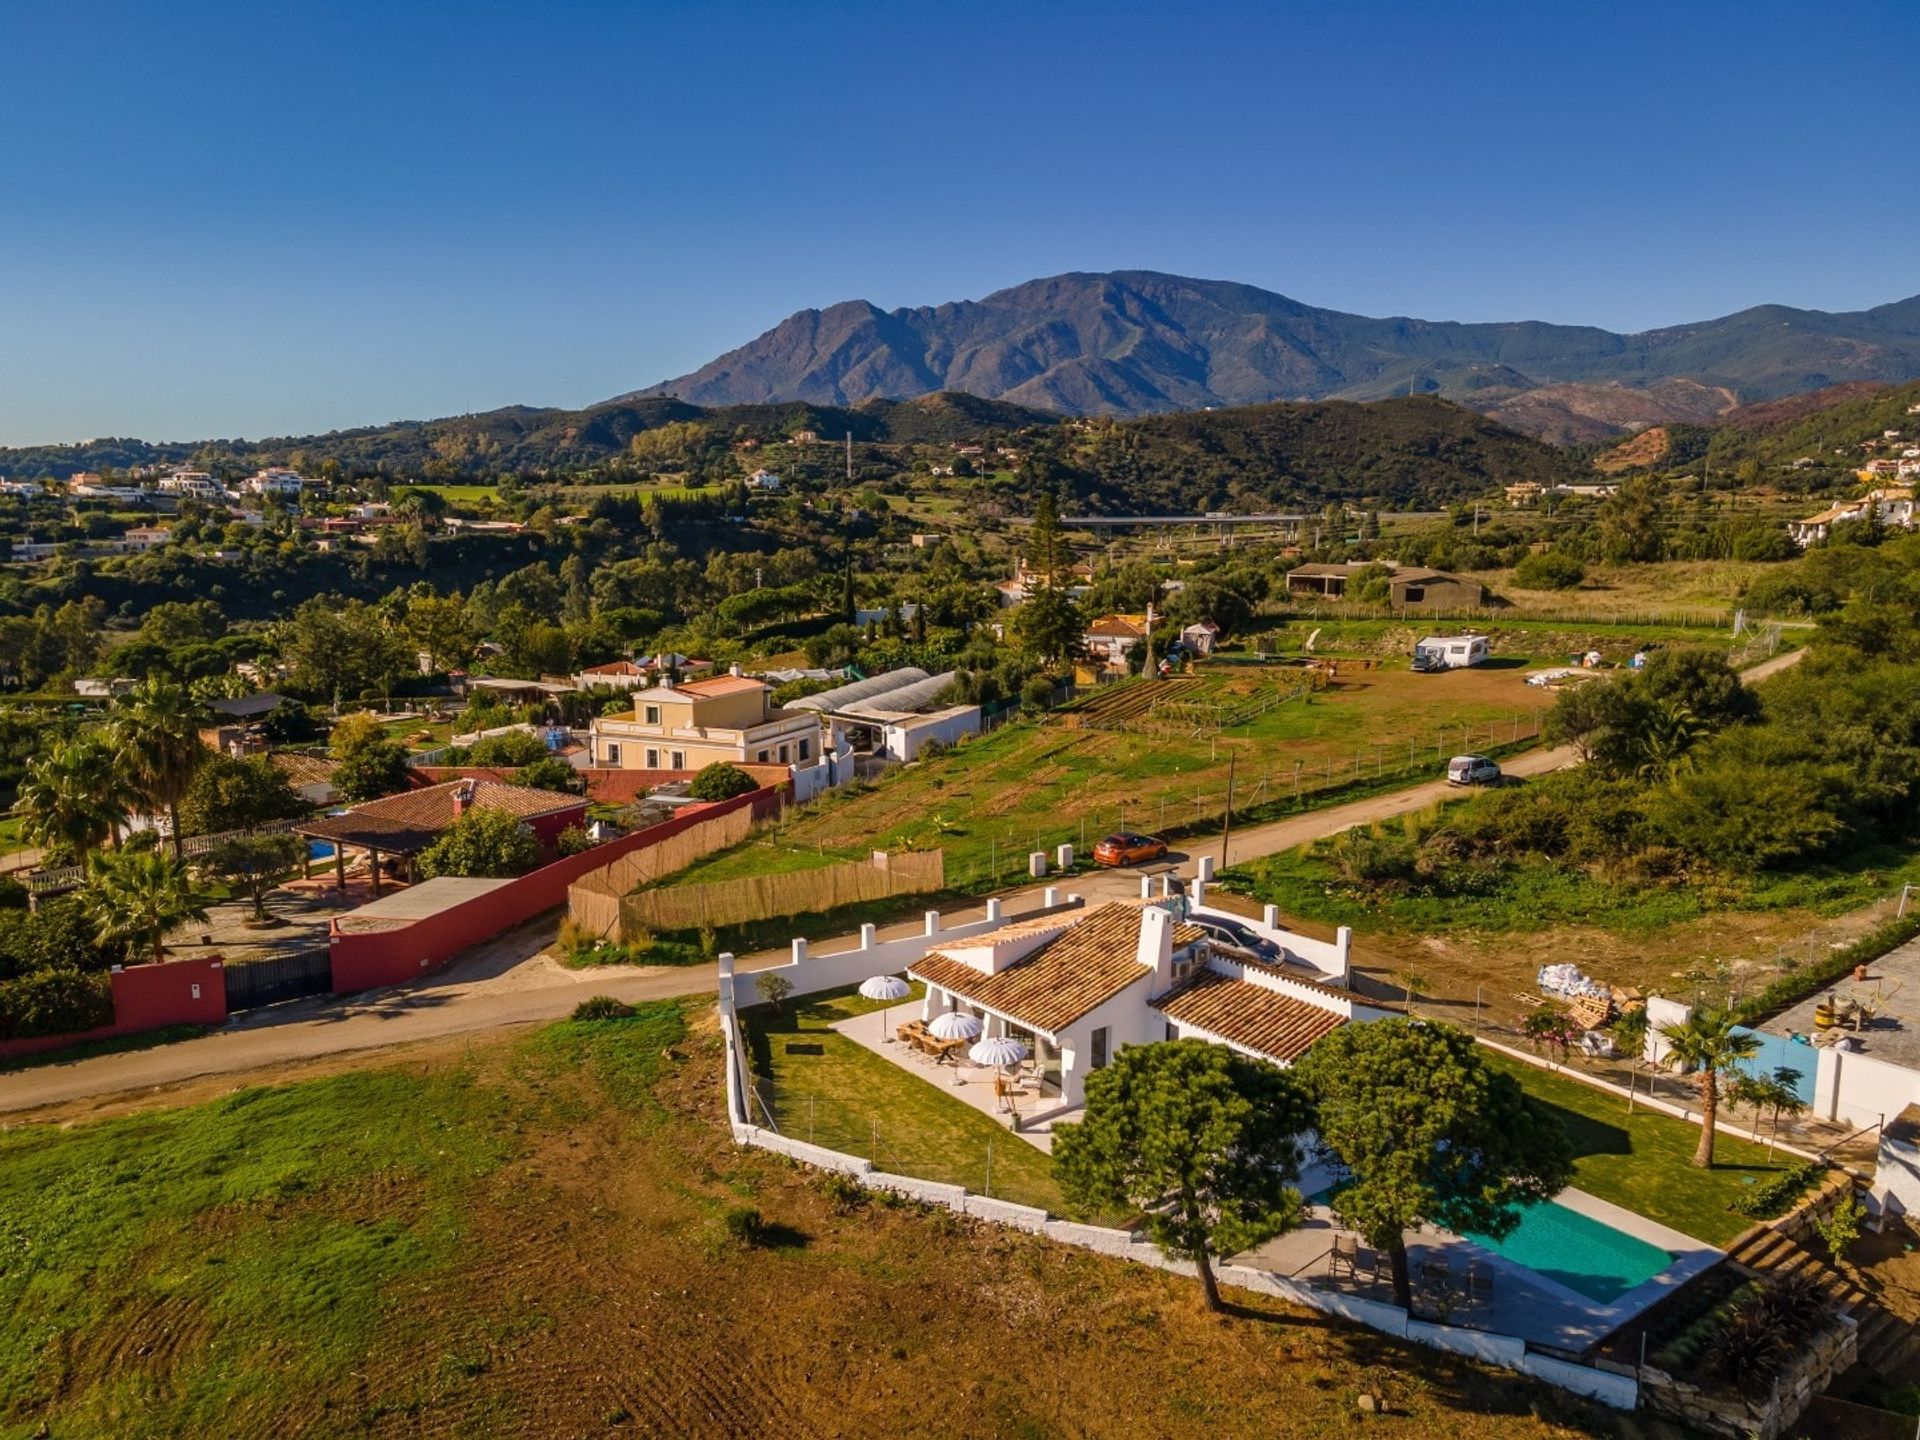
(280, 977)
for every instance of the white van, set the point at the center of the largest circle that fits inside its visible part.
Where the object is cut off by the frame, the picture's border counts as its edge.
(1472, 770)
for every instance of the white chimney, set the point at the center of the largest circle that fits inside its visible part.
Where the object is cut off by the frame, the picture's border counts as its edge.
(1156, 946)
(734, 670)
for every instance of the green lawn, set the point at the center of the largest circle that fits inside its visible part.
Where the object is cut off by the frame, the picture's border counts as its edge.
(256, 1242)
(1642, 1161)
(829, 1091)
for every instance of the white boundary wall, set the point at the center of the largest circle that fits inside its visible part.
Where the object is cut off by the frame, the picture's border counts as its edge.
(1848, 1088)
(809, 973)
(1622, 1392)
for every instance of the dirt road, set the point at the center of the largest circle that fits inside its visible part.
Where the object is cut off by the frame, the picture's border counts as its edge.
(512, 982)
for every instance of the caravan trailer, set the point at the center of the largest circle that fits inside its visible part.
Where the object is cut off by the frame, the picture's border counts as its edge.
(1449, 652)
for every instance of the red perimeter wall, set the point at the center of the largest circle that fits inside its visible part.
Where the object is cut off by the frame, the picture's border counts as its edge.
(388, 957)
(147, 997)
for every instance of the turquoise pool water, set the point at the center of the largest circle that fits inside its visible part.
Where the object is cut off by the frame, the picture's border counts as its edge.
(1581, 1253)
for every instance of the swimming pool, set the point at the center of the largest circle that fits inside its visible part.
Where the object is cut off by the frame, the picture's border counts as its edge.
(1579, 1252)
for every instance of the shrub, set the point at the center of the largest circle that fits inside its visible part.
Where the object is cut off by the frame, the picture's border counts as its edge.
(488, 843)
(510, 751)
(54, 1002)
(843, 1194)
(572, 840)
(550, 772)
(1768, 1200)
(744, 1225)
(721, 781)
(1840, 1229)
(774, 989)
(1550, 570)
(602, 1007)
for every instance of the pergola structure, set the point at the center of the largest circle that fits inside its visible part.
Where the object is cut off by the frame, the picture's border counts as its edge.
(400, 826)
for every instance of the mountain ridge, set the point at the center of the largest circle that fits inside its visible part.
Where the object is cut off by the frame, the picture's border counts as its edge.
(1134, 342)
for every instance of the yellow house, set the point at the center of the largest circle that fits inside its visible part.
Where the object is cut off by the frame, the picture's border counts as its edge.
(693, 724)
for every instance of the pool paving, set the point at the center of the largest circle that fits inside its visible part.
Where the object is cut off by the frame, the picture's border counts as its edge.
(1599, 1266)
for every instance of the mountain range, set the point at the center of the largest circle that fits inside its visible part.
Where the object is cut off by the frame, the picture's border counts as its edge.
(1137, 342)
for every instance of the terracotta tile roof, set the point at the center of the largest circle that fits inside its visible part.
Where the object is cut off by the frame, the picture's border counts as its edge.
(1125, 627)
(304, 769)
(614, 667)
(1067, 977)
(720, 685)
(1252, 1016)
(402, 824)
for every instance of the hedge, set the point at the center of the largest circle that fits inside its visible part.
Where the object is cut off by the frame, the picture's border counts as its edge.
(1792, 988)
(54, 1002)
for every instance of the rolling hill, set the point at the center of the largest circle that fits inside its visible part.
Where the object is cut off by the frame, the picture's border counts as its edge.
(1139, 342)
(1415, 452)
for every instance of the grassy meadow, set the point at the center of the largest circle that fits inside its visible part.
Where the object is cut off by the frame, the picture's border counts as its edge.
(546, 1236)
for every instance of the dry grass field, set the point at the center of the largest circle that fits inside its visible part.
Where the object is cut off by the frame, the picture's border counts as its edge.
(529, 1239)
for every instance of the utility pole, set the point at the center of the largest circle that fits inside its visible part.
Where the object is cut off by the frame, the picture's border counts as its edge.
(849, 457)
(1226, 828)
(1146, 666)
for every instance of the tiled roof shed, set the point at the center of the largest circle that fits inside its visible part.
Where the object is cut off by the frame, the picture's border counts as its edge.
(406, 823)
(1248, 1016)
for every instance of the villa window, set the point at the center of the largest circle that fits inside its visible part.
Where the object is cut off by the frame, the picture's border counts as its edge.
(613, 756)
(653, 714)
(679, 760)
(1101, 1047)
(1173, 1031)
(653, 759)
(806, 749)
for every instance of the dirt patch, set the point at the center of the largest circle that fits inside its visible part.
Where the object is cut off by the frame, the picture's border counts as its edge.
(1498, 970)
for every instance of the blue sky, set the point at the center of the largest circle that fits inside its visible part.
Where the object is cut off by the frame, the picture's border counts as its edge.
(256, 218)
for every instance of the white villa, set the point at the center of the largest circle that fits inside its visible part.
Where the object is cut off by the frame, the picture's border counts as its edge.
(197, 484)
(277, 480)
(1080, 984)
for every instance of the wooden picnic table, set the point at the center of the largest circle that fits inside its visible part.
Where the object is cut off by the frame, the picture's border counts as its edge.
(916, 1034)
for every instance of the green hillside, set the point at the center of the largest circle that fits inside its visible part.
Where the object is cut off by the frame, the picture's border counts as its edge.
(1415, 452)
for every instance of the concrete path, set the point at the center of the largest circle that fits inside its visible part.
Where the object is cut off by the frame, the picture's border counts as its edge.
(511, 981)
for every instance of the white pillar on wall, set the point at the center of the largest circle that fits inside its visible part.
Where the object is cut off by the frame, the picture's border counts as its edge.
(866, 937)
(933, 922)
(993, 909)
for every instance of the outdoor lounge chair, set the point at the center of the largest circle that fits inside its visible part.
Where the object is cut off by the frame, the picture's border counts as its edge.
(1345, 1256)
(1480, 1285)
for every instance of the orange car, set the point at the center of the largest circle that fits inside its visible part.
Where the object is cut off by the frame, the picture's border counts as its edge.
(1128, 849)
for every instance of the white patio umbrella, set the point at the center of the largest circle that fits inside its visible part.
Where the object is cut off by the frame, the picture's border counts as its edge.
(888, 988)
(955, 1025)
(999, 1050)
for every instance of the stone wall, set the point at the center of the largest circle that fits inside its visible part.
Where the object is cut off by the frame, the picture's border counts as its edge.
(1723, 1411)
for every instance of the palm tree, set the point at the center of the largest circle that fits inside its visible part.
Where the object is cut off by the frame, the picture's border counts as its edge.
(1707, 1042)
(138, 896)
(157, 730)
(75, 797)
